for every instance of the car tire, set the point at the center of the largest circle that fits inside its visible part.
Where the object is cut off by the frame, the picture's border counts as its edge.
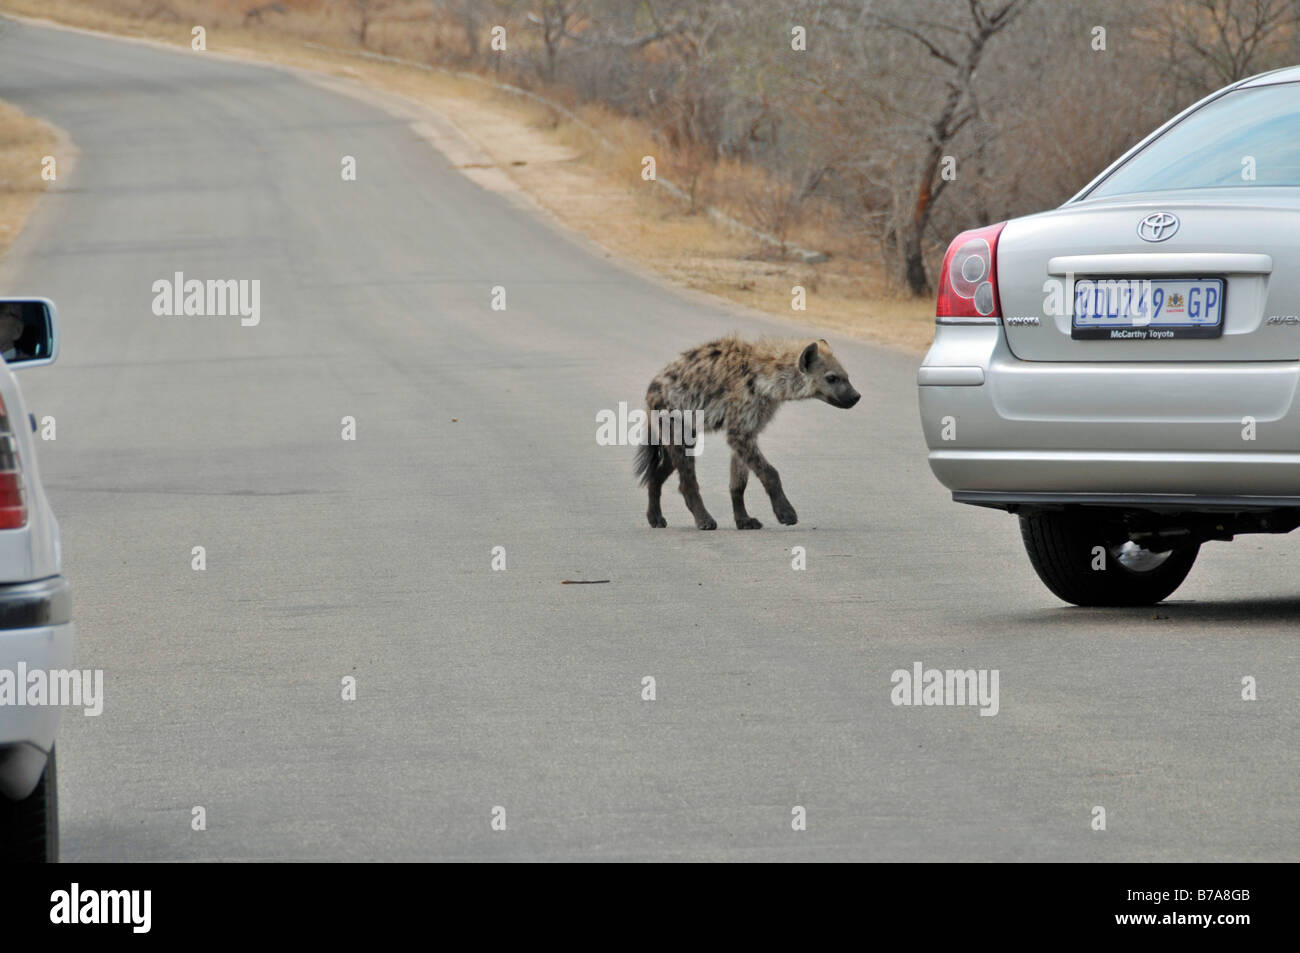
(1062, 550)
(29, 829)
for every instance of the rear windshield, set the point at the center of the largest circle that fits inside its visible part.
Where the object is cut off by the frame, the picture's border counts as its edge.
(1245, 139)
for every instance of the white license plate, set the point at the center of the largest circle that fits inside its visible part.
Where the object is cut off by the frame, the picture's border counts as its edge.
(1141, 309)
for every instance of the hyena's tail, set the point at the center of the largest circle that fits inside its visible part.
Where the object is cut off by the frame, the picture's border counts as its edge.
(651, 458)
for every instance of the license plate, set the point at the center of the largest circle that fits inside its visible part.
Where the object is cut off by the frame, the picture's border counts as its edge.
(1148, 309)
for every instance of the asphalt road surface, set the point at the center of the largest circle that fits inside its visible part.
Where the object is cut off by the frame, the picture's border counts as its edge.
(479, 689)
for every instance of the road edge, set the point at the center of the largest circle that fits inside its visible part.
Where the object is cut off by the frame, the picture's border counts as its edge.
(452, 136)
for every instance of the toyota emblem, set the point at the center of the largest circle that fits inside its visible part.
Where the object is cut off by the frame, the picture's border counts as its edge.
(1158, 226)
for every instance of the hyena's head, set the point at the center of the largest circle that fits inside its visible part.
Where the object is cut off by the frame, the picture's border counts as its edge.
(825, 377)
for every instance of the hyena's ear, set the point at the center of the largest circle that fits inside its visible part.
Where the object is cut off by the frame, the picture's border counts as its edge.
(808, 358)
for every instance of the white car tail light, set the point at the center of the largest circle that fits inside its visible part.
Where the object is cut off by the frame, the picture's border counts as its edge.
(13, 502)
(968, 282)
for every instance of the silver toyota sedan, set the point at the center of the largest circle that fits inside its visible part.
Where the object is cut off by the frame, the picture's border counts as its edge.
(1122, 372)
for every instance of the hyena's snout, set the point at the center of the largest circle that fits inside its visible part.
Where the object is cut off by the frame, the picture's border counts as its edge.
(844, 398)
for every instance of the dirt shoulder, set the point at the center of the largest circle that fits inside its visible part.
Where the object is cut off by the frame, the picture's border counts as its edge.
(575, 176)
(25, 142)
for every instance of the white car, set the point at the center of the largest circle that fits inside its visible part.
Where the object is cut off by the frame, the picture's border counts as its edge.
(1124, 372)
(36, 630)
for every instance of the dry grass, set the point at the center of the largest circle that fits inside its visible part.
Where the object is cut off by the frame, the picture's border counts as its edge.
(24, 141)
(567, 171)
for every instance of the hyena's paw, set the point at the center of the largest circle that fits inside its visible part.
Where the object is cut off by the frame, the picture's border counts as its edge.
(748, 523)
(706, 522)
(785, 512)
(656, 520)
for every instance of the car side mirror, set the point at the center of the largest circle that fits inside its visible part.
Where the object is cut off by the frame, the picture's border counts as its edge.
(29, 331)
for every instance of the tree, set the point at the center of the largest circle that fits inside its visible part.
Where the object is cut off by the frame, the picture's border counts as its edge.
(366, 11)
(469, 13)
(958, 107)
(1211, 43)
(552, 19)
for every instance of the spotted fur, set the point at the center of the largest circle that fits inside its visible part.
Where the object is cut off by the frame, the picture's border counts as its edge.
(736, 386)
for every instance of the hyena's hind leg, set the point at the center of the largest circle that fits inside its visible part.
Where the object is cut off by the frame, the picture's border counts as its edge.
(745, 446)
(653, 467)
(690, 487)
(739, 479)
(662, 470)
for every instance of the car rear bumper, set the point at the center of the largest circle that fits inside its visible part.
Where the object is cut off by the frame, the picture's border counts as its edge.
(996, 424)
(1021, 500)
(1121, 473)
(36, 635)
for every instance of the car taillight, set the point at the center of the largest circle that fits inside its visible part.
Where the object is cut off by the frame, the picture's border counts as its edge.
(968, 283)
(13, 504)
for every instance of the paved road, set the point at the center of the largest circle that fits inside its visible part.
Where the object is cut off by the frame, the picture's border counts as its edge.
(475, 429)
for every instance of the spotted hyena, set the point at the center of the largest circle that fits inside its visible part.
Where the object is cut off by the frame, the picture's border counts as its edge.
(734, 386)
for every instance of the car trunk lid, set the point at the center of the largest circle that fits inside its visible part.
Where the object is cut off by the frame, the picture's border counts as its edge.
(1249, 239)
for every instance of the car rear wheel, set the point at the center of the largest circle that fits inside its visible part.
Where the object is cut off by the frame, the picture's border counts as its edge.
(1078, 565)
(29, 829)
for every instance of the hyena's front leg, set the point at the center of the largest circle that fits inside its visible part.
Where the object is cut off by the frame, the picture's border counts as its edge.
(746, 447)
(739, 479)
(690, 487)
